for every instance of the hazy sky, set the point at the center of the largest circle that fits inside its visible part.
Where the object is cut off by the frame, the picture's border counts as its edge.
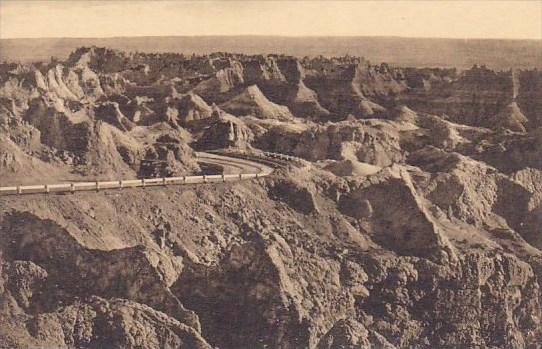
(456, 19)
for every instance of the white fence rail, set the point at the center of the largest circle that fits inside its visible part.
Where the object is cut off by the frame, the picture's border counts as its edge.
(130, 183)
(140, 183)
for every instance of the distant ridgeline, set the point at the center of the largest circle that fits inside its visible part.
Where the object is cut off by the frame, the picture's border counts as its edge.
(130, 88)
(404, 52)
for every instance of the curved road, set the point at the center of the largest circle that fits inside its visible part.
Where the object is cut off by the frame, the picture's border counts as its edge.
(235, 167)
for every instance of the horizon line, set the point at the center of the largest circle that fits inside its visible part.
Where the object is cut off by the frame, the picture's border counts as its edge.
(270, 35)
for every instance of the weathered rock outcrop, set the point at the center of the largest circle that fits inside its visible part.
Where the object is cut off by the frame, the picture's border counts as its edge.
(252, 102)
(413, 222)
(481, 97)
(223, 81)
(283, 83)
(345, 88)
(528, 97)
(510, 117)
(189, 107)
(169, 156)
(372, 142)
(110, 113)
(350, 334)
(251, 277)
(460, 298)
(510, 152)
(225, 131)
(391, 208)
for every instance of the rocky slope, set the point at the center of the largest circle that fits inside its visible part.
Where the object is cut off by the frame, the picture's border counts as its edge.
(414, 221)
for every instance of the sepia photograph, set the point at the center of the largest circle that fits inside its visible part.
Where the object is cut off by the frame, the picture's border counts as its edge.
(277, 174)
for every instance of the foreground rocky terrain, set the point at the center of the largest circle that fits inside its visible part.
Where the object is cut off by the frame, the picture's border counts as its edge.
(415, 220)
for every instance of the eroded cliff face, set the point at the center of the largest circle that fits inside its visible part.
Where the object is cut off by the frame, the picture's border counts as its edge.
(479, 97)
(214, 260)
(529, 91)
(373, 142)
(225, 131)
(64, 118)
(395, 312)
(413, 220)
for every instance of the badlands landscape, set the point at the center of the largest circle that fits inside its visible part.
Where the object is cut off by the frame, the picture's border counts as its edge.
(412, 220)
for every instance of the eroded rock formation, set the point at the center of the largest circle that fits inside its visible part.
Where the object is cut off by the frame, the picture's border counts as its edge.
(413, 220)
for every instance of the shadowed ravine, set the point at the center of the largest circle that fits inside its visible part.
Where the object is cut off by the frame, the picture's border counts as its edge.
(402, 209)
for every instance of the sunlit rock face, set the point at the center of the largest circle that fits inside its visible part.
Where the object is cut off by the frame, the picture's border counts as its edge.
(410, 220)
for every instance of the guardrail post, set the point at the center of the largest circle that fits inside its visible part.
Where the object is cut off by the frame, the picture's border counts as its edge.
(122, 184)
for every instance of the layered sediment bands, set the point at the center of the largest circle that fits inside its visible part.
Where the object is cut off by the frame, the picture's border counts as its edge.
(70, 120)
(479, 97)
(476, 94)
(303, 271)
(372, 142)
(286, 86)
(413, 220)
(528, 98)
(336, 91)
(221, 83)
(263, 69)
(511, 152)
(379, 81)
(345, 87)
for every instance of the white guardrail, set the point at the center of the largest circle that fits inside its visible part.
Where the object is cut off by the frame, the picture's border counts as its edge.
(129, 183)
(138, 183)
